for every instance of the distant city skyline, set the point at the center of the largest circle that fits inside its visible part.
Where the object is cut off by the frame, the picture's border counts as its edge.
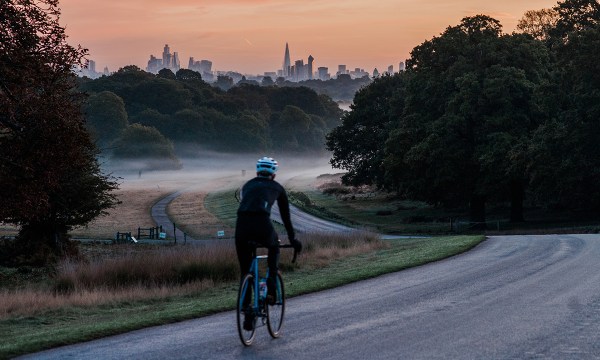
(295, 73)
(247, 35)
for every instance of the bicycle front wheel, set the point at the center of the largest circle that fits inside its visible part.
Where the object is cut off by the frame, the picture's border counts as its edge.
(245, 310)
(275, 312)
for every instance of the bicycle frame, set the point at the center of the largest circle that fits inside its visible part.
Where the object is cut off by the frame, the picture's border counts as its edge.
(251, 300)
(254, 271)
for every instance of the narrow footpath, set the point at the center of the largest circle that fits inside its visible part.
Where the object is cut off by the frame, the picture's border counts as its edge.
(160, 216)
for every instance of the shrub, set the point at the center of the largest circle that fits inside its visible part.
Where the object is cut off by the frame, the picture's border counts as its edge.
(143, 142)
(300, 197)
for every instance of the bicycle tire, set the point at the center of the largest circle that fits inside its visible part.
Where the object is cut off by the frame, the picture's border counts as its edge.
(276, 311)
(246, 287)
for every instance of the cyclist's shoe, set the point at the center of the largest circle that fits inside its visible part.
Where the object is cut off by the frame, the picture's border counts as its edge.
(249, 321)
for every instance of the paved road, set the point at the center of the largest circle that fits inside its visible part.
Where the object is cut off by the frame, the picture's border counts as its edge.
(512, 297)
(302, 221)
(159, 214)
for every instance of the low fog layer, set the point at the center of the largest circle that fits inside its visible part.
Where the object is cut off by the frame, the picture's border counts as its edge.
(212, 165)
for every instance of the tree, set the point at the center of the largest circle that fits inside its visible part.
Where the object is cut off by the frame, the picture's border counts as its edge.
(166, 74)
(152, 118)
(106, 116)
(565, 158)
(248, 131)
(192, 127)
(357, 144)
(165, 95)
(267, 81)
(50, 180)
(575, 16)
(538, 23)
(289, 128)
(469, 113)
(224, 82)
(139, 142)
(186, 74)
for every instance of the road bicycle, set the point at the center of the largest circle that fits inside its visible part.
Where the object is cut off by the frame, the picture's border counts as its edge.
(254, 287)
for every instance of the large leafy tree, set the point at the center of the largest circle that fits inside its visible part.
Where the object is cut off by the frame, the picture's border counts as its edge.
(106, 116)
(565, 157)
(50, 179)
(538, 23)
(469, 111)
(357, 145)
(575, 16)
(143, 142)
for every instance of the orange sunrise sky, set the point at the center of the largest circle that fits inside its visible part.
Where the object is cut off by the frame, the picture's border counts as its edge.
(249, 36)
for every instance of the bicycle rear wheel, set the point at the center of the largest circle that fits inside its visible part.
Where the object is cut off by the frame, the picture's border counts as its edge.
(245, 304)
(276, 311)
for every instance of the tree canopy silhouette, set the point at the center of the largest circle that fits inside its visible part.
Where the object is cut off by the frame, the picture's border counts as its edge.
(50, 180)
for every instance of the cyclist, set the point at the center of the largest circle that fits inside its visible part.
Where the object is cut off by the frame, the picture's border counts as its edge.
(254, 223)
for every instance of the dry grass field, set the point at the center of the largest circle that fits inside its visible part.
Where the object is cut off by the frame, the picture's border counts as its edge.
(131, 213)
(108, 274)
(190, 215)
(188, 210)
(137, 197)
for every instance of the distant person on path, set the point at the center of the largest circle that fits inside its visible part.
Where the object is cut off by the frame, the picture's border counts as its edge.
(254, 221)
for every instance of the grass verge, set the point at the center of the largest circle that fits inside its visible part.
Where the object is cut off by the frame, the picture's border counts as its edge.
(51, 328)
(378, 211)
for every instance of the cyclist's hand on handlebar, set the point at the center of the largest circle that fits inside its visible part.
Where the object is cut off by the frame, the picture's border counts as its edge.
(297, 245)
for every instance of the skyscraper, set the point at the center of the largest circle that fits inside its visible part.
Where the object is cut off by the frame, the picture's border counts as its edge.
(166, 58)
(154, 64)
(91, 65)
(168, 61)
(324, 73)
(286, 62)
(310, 67)
(299, 72)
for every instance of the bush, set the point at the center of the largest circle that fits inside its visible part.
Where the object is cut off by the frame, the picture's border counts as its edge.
(143, 142)
(300, 197)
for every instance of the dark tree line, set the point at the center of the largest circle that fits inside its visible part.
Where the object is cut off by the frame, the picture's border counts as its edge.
(482, 117)
(191, 113)
(343, 87)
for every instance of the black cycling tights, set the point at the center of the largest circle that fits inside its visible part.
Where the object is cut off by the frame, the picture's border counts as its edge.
(258, 229)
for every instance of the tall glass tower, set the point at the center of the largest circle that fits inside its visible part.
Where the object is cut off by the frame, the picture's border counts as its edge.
(286, 62)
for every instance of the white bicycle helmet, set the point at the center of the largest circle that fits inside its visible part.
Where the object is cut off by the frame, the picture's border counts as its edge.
(267, 165)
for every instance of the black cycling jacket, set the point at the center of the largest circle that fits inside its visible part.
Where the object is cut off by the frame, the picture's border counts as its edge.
(258, 196)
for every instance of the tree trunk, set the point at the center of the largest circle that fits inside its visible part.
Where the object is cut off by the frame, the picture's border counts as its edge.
(477, 212)
(517, 196)
(43, 243)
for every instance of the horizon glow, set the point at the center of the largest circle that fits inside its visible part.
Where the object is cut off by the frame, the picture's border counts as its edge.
(249, 36)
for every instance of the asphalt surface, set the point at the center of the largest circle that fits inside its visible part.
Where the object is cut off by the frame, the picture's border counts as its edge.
(159, 214)
(512, 297)
(304, 222)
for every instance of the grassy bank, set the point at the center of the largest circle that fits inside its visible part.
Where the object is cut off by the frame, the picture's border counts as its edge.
(325, 264)
(364, 206)
(326, 197)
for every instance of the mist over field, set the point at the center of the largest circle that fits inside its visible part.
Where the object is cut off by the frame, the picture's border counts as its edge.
(209, 165)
